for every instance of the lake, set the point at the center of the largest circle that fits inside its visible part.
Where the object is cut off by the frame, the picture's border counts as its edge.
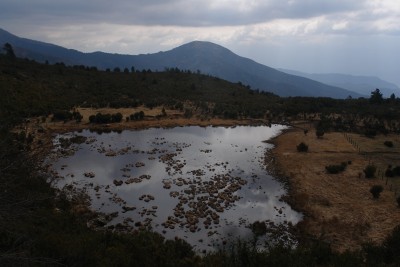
(206, 185)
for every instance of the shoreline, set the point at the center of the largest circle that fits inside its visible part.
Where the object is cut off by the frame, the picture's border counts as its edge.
(343, 218)
(81, 205)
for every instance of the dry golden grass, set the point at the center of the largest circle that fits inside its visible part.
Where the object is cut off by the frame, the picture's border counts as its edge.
(339, 207)
(152, 118)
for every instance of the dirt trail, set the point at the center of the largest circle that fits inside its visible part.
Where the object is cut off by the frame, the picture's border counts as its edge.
(338, 207)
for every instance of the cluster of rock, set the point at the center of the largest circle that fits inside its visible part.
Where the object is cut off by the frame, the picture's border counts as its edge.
(146, 198)
(139, 164)
(89, 174)
(149, 212)
(137, 179)
(201, 201)
(118, 182)
(112, 153)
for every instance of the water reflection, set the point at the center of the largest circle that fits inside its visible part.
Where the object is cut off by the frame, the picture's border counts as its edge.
(202, 184)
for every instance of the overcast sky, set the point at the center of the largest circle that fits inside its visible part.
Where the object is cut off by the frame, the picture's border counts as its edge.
(344, 36)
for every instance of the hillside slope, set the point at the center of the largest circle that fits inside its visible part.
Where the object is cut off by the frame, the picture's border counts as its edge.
(359, 84)
(196, 56)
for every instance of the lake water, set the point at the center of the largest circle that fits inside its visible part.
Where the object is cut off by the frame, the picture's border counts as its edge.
(203, 184)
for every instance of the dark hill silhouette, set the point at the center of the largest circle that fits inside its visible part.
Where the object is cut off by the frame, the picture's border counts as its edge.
(207, 57)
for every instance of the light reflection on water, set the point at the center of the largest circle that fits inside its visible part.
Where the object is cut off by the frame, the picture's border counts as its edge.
(202, 155)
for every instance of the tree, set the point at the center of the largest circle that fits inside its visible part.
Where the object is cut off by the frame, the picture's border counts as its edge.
(116, 117)
(9, 50)
(376, 190)
(77, 116)
(302, 147)
(369, 171)
(388, 143)
(376, 97)
(319, 133)
(334, 169)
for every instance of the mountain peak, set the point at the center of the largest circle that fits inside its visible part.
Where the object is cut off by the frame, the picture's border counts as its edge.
(204, 56)
(203, 46)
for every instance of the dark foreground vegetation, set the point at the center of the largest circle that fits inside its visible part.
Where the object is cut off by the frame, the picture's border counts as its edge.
(38, 225)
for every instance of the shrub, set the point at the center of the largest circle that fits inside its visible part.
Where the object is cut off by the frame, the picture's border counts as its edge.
(302, 147)
(259, 228)
(105, 118)
(396, 171)
(117, 117)
(370, 133)
(334, 169)
(62, 115)
(188, 113)
(389, 172)
(376, 190)
(92, 118)
(388, 143)
(137, 116)
(369, 171)
(77, 116)
(319, 133)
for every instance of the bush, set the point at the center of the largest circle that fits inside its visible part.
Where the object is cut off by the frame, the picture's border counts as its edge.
(137, 116)
(77, 116)
(369, 171)
(388, 143)
(396, 171)
(105, 118)
(62, 115)
(335, 169)
(319, 133)
(389, 172)
(376, 190)
(302, 147)
(370, 133)
(117, 117)
(188, 113)
(259, 228)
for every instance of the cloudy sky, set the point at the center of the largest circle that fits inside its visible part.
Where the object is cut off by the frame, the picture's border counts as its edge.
(359, 37)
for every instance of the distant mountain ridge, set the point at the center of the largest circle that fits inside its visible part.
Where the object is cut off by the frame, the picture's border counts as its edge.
(207, 57)
(359, 84)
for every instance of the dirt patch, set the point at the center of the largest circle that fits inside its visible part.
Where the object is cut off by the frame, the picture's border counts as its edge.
(338, 208)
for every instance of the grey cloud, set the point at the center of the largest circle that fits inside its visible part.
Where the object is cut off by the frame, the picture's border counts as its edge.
(172, 12)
